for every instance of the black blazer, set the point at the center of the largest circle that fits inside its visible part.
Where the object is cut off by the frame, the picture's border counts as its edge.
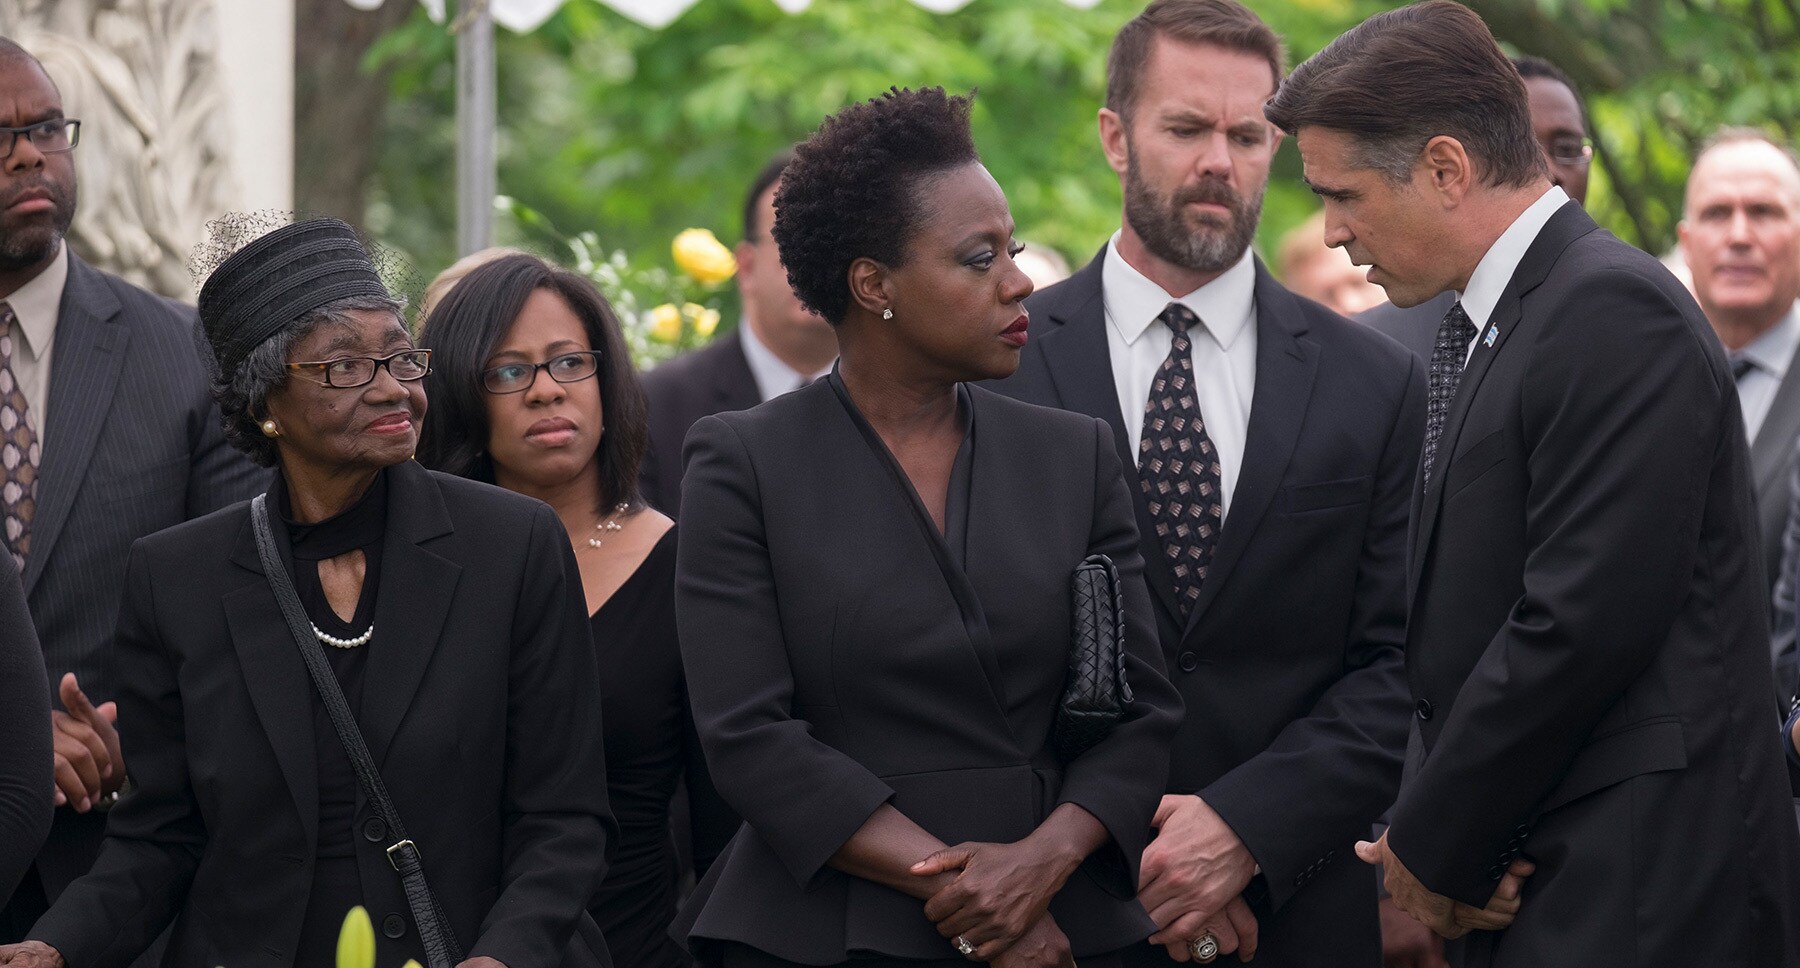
(25, 757)
(133, 446)
(840, 658)
(487, 734)
(1290, 663)
(1589, 632)
(712, 379)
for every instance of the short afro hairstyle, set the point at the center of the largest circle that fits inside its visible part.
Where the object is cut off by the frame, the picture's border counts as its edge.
(851, 190)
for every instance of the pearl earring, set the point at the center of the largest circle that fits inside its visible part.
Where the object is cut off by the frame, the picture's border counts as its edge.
(887, 314)
(269, 429)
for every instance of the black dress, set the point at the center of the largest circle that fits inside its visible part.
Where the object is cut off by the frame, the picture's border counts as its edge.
(337, 883)
(650, 744)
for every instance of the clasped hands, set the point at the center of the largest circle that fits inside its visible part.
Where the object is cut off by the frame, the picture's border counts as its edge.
(1000, 899)
(1451, 919)
(1192, 879)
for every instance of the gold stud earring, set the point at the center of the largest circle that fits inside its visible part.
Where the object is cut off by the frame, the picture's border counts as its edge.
(887, 314)
(269, 429)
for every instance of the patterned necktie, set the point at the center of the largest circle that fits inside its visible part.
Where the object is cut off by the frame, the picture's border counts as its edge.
(1178, 469)
(1447, 359)
(18, 449)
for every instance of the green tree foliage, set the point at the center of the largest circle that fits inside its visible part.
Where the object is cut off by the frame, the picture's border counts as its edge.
(634, 134)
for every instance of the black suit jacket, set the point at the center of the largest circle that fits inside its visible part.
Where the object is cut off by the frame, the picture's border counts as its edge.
(839, 657)
(1415, 328)
(1588, 637)
(133, 446)
(25, 780)
(1290, 663)
(483, 717)
(712, 379)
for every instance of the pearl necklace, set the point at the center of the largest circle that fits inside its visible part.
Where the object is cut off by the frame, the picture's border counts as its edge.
(338, 643)
(609, 525)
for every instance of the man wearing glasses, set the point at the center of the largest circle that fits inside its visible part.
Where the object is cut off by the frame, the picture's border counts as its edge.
(107, 433)
(1560, 123)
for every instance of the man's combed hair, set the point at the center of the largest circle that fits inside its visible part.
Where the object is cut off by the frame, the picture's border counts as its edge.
(1531, 66)
(1401, 78)
(1222, 23)
(850, 191)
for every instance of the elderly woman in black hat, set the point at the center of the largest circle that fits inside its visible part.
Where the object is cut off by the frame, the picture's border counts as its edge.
(364, 612)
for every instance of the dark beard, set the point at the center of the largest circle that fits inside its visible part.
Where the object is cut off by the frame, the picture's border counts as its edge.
(22, 249)
(1214, 246)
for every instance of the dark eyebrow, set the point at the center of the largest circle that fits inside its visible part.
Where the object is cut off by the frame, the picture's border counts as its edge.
(53, 114)
(1335, 194)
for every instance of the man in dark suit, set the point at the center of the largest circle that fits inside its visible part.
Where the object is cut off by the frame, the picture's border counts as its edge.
(1740, 234)
(1279, 595)
(1559, 123)
(110, 435)
(777, 347)
(1587, 638)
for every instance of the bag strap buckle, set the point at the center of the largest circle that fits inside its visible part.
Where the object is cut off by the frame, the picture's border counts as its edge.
(409, 851)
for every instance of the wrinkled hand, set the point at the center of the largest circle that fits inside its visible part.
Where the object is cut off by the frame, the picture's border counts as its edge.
(1043, 946)
(1406, 943)
(1192, 870)
(1002, 892)
(88, 760)
(31, 954)
(482, 962)
(1234, 929)
(1451, 919)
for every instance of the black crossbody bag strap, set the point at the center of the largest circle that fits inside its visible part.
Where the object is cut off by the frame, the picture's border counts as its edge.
(441, 949)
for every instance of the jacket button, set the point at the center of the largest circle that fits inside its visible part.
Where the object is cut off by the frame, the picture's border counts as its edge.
(1495, 872)
(394, 926)
(1523, 829)
(1423, 708)
(374, 831)
(1189, 661)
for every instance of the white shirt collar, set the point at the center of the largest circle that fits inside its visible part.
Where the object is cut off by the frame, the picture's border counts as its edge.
(1496, 268)
(1773, 351)
(1225, 305)
(38, 302)
(773, 377)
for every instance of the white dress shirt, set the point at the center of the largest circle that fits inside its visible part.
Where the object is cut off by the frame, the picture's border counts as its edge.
(1223, 351)
(1488, 282)
(1769, 356)
(773, 377)
(38, 304)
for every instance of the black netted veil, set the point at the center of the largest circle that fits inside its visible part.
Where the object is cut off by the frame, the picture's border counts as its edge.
(264, 270)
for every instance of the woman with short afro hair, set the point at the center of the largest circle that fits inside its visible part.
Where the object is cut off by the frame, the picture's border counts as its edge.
(873, 592)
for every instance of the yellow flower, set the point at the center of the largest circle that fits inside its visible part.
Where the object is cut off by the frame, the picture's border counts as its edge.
(700, 254)
(410, 963)
(706, 323)
(356, 942)
(665, 324)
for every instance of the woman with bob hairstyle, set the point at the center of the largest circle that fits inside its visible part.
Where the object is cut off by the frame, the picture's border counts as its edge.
(534, 391)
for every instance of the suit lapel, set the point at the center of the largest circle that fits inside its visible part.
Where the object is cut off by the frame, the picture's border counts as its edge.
(1774, 444)
(734, 385)
(1568, 224)
(415, 597)
(84, 373)
(1285, 367)
(1080, 366)
(280, 687)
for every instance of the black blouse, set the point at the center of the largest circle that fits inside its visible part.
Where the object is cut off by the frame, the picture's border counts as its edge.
(337, 886)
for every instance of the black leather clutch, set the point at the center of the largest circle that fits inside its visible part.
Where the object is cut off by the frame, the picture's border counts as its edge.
(1095, 694)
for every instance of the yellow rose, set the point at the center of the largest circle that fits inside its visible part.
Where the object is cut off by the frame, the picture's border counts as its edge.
(356, 941)
(665, 324)
(707, 323)
(700, 254)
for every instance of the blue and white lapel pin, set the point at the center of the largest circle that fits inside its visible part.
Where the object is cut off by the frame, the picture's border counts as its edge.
(1493, 334)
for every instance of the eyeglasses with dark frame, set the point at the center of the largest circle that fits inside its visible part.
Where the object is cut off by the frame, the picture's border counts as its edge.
(1573, 152)
(563, 368)
(51, 136)
(350, 372)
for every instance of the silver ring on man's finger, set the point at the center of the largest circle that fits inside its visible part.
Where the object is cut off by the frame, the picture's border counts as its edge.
(1204, 948)
(964, 948)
